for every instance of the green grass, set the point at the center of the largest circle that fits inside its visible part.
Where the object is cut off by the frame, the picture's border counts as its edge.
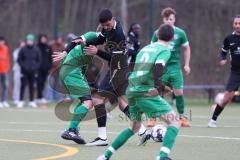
(195, 143)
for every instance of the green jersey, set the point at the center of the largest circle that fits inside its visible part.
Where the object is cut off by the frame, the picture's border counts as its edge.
(70, 73)
(76, 56)
(141, 79)
(180, 39)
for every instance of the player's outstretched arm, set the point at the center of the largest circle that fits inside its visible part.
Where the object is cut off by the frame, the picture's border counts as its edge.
(58, 56)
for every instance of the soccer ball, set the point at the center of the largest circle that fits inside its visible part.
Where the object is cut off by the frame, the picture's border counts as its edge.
(158, 132)
(219, 98)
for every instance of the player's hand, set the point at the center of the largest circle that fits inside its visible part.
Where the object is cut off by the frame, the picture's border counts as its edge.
(168, 89)
(78, 41)
(58, 56)
(151, 92)
(223, 62)
(154, 92)
(91, 50)
(187, 70)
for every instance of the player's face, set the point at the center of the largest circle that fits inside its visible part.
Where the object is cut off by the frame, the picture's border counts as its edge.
(137, 29)
(169, 20)
(236, 25)
(108, 25)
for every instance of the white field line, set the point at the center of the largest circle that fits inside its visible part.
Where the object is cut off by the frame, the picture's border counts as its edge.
(115, 133)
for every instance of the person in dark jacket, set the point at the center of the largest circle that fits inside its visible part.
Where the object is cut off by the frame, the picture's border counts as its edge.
(45, 66)
(29, 60)
(133, 43)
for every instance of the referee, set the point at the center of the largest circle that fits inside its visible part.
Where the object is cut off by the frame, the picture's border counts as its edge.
(231, 45)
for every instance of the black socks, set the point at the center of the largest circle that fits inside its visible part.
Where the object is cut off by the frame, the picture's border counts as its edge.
(101, 115)
(217, 112)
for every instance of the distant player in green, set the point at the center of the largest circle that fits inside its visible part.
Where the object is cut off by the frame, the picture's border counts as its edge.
(174, 75)
(77, 86)
(145, 85)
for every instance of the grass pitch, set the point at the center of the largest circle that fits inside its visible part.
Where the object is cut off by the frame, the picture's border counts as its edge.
(34, 134)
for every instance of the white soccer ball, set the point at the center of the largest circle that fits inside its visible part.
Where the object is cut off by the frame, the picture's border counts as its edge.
(158, 132)
(219, 97)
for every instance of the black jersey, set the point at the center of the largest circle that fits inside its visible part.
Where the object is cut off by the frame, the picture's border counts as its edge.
(113, 40)
(231, 45)
(114, 44)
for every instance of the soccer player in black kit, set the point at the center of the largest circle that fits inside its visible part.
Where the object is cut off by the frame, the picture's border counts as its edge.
(115, 82)
(231, 45)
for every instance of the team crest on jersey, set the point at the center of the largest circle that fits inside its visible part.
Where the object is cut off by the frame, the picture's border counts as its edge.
(237, 51)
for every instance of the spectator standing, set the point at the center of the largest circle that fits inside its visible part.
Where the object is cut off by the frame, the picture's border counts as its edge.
(44, 68)
(16, 74)
(29, 60)
(4, 68)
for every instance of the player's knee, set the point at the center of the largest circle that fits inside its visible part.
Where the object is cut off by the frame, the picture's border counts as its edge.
(231, 95)
(87, 101)
(122, 102)
(88, 104)
(175, 123)
(135, 126)
(134, 130)
(172, 119)
(178, 92)
(97, 100)
(228, 96)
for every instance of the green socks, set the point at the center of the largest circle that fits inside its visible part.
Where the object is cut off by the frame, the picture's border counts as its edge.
(180, 104)
(79, 113)
(119, 141)
(168, 141)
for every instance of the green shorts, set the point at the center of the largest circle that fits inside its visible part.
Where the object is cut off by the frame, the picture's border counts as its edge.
(173, 76)
(152, 106)
(74, 81)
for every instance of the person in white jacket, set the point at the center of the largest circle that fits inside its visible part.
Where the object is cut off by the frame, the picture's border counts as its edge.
(16, 74)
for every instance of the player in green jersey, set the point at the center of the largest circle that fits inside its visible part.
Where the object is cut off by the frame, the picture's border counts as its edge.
(145, 85)
(174, 75)
(76, 86)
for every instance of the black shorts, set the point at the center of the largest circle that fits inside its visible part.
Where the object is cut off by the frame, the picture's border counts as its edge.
(116, 85)
(233, 83)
